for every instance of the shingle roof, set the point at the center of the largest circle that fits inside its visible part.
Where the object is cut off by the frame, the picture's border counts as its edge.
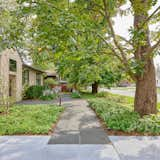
(33, 68)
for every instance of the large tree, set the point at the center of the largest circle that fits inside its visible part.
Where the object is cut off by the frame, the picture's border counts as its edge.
(58, 23)
(84, 67)
(142, 51)
(136, 53)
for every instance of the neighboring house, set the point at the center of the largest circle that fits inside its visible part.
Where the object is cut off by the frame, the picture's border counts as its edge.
(32, 75)
(14, 74)
(51, 74)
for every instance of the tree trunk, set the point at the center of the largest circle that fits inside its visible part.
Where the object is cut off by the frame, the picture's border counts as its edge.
(146, 92)
(95, 88)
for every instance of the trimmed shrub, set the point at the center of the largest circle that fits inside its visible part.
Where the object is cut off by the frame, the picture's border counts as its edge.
(34, 92)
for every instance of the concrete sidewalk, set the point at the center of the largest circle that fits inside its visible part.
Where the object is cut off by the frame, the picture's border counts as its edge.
(37, 148)
(78, 125)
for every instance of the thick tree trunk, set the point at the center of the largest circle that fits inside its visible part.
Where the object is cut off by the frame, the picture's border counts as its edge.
(95, 88)
(146, 92)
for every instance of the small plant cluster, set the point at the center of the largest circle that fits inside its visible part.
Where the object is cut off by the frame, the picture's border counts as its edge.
(39, 92)
(122, 118)
(48, 97)
(75, 94)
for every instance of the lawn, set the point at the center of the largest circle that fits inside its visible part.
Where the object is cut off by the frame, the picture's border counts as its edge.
(117, 114)
(29, 119)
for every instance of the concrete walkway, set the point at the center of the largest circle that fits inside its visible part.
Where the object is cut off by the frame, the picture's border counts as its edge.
(79, 136)
(78, 125)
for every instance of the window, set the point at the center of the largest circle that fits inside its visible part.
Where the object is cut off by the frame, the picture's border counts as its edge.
(38, 78)
(12, 65)
(25, 77)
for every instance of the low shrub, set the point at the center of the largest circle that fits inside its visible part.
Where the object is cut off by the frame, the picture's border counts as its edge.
(34, 92)
(76, 95)
(119, 117)
(48, 97)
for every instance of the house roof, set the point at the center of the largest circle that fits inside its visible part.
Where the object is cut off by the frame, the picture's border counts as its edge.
(51, 73)
(33, 68)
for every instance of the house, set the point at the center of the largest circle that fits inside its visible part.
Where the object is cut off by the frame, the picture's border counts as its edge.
(32, 75)
(51, 74)
(14, 74)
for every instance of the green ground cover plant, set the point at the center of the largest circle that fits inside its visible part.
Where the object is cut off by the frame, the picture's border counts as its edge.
(75, 95)
(29, 119)
(48, 97)
(117, 113)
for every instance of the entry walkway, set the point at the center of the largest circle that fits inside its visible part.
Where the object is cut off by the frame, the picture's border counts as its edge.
(79, 136)
(78, 125)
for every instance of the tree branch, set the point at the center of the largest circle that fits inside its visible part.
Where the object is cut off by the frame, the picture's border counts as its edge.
(112, 49)
(158, 8)
(112, 31)
(150, 50)
(124, 39)
(123, 61)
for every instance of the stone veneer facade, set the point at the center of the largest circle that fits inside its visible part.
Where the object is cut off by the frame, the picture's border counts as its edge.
(6, 74)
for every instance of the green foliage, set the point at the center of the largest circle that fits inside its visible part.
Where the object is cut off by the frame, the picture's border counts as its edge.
(118, 115)
(24, 91)
(101, 94)
(48, 97)
(50, 81)
(34, 92)
(80, 55)
(29, 119)
(75, 95)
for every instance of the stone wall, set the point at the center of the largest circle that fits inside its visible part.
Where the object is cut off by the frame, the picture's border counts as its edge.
(5, 72)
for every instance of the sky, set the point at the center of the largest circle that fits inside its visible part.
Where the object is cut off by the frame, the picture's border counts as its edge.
(123, 23)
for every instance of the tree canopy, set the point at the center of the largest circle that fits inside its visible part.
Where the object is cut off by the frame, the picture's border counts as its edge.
(81, 33)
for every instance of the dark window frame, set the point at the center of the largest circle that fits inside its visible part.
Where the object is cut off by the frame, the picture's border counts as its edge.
(25, 76)
(38, 78)
(12, 65)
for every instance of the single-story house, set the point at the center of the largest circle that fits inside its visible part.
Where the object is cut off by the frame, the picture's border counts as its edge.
(14, 74)
(32, 75)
